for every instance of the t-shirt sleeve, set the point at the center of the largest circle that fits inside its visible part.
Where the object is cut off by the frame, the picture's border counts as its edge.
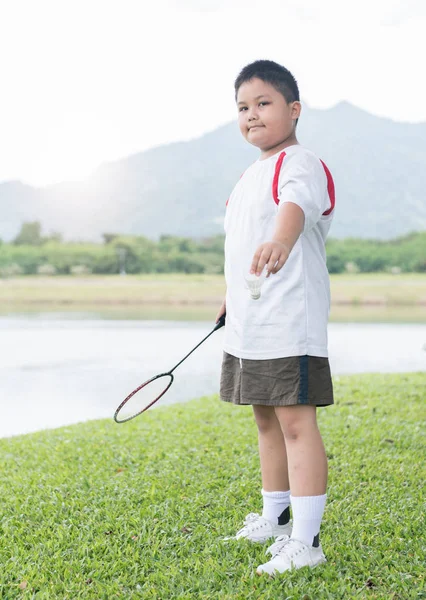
(303, 181)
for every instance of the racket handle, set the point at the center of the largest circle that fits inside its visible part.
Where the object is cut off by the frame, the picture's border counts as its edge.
(221, 322)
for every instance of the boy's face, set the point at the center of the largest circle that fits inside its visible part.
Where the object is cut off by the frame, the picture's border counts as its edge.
(265, 118)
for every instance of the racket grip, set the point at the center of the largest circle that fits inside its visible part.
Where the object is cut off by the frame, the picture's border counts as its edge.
(221, 322)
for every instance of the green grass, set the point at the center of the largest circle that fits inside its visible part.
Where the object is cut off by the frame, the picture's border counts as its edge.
(362, 297)
(139, 510)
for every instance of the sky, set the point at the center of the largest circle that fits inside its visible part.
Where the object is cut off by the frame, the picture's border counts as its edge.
(84, 82)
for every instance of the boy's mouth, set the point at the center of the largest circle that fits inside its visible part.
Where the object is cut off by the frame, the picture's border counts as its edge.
(255, 127)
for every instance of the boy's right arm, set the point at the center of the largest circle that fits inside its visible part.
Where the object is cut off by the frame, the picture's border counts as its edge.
(222, 311)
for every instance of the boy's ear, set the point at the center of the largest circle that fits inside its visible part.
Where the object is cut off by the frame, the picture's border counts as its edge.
(296, 109)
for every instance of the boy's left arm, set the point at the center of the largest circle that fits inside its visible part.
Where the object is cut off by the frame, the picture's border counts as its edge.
(274, 254)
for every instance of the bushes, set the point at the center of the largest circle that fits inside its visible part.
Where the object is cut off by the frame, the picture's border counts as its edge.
(407, 253)
(137, 254)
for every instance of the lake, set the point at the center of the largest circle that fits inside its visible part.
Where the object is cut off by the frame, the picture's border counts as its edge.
(56, 370)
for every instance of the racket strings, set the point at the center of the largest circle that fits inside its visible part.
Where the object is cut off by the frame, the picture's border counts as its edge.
(141, 399)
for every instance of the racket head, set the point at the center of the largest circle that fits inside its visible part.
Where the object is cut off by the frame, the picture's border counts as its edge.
(143, 397)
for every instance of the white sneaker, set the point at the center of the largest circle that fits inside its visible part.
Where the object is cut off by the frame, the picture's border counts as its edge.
(293, 554)
(258, 529)
(278, 544)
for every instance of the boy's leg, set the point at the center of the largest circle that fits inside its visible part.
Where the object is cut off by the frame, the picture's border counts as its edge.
(307, 460)
(275, 518)
(273, 465)
(272, 449)
(307, 466)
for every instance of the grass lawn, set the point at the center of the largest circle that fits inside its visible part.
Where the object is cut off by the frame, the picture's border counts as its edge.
(140, 510)
(377, 297)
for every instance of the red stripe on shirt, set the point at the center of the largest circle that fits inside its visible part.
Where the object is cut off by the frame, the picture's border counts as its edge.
(276, 177)
(330, 183)
(330, 188)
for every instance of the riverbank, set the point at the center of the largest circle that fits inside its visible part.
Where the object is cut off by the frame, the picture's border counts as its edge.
(364, 298)
(140, 510)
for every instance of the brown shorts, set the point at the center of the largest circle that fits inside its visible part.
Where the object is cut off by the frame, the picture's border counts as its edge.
(276, 382)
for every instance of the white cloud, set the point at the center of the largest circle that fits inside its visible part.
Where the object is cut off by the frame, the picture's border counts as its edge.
(94, 81)
(379, 12)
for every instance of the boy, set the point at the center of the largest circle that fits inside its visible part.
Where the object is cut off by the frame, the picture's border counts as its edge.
(275, 349)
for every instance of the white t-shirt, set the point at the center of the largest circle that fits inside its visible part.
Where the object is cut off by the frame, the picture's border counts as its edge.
(290, 318)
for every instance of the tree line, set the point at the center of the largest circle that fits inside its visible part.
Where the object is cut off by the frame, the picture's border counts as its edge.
(31, 253)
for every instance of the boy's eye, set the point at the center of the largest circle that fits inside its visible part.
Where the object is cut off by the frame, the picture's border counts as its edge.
(242, 108)
(264, 103)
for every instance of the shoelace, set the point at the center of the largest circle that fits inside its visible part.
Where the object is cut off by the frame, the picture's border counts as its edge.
(291, 548)
(278, 544)
(250, 520)
(251, 517)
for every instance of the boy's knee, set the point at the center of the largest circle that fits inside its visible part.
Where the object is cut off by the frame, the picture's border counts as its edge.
(265, 418)
(296, 424)
(292, 430)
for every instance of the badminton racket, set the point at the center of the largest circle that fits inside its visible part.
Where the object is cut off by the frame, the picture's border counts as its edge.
(148, 393)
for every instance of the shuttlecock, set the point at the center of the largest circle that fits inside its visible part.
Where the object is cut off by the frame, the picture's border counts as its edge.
(255, 282)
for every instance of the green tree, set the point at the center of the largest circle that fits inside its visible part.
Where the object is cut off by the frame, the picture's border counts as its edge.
(55, 236)
(109, 237)
(29, 235)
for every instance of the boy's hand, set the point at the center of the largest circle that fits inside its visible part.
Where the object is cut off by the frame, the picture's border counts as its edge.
(222, 311)
(271, 254)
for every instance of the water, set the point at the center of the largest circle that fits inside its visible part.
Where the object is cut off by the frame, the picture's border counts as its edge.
(57, 371)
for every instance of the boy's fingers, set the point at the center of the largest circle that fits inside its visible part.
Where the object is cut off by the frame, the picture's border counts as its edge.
(256, 258)
(221, 312)
(279, 265)
(265, 255)
(280, 261)
(264, 258)
(273, 261)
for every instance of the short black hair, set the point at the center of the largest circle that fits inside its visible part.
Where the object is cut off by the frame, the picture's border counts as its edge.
(274, 74)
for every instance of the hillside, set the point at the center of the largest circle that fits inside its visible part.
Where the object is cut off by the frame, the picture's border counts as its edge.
(181, 188)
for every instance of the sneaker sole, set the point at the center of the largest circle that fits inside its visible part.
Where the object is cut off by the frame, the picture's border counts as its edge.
(277, 573)
(274, 536)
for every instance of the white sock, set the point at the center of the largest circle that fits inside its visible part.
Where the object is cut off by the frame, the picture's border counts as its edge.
(274, 504)
(307, 516)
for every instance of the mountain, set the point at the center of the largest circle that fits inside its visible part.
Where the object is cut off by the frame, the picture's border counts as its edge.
(181, 188)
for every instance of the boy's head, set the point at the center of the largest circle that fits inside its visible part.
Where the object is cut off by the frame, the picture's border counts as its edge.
(268, 103)
(270, 72)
